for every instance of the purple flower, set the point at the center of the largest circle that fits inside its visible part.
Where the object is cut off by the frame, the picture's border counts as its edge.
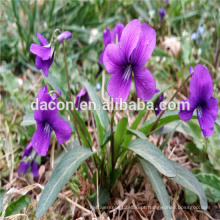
(43, 59)
(110, 38)
(80, 97)
(162, 13)
(28, 161)
(191, 70)
(201, 90)
(194, 36)
(48, 120)
(130, 55)
(157, 102)
(201, 30)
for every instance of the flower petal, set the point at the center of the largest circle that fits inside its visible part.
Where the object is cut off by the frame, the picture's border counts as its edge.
(27, 150)
(43, 90)
(55, 96)
(46, 114)
(157, 102)
(113, 59)
(42, 52)
(129, 38)
(63, 36)
(212, 107)
(144, 83)
(38, 63)
(101, 56)
(23, 168)
(41, 139)
(34, 169)
(42, 39)
(62, 130)
(191, 70)
(80, 97)
(119, 86)
(201, 83)
(117, 31)
(145, 46)
(46, 65)
(107, 37)
(206, 122)
(184, 113)
(207, 116)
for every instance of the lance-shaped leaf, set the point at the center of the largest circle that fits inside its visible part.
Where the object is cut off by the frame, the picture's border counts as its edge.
(186, 179)
(165, 119)
(151, 153)
(60, 176)
(159, 187)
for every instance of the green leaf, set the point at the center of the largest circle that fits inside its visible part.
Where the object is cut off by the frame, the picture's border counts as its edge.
(28, 120)
(163, 145)
(57, 47)
(158, 186)
(119, 135)
(194, 153)
(186, 179)
(101, 116)
(103, 197)
(211, 185)
(114, 175)
(84, 128)
(16, 206)
(53, 82)
(141, 115)
(165, 119)
(136, 133)
(60, 176)
(190, 197)
(217, 121)
(151, 153)
(2, 194)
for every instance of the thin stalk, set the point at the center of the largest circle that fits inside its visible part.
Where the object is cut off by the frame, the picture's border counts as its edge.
(162, 112)
(67, 74)
(112, 137)
(74, 116)
(54, 92)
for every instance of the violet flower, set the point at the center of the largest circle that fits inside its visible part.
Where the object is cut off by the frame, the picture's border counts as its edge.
(201, 90)
(191, 70)
(130, 55)
(162, 13)
(110, 38)
(28, 161)
(201, 30)
(157, 108)
(44, 59)
(48, 120)
(194, 36)
(80, 97)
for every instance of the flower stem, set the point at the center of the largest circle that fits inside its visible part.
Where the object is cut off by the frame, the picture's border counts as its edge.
(75, 125)
(67, 75)
(112, 137)
(162, 112)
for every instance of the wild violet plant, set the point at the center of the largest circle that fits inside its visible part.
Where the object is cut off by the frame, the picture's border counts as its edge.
(120, 147)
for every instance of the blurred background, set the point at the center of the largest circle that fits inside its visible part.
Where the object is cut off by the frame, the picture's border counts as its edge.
(188, 33)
